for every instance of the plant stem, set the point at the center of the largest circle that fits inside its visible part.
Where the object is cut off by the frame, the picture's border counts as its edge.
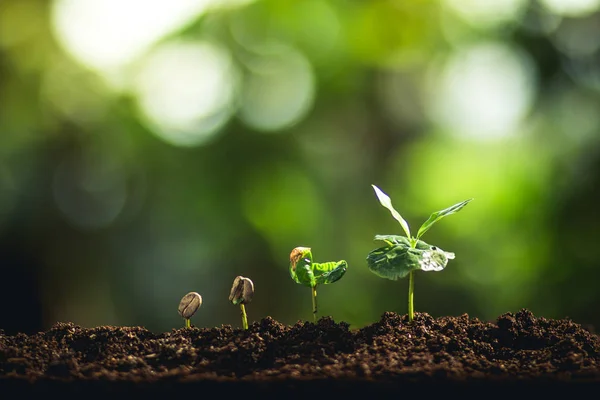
(244, 316)
(411, 287)
(188, 324)
(411, 292)
(314, 301)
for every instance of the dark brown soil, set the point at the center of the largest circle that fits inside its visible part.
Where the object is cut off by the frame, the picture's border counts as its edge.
(519, 354)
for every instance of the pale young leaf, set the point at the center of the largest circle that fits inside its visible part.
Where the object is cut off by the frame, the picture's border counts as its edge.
(385, 201)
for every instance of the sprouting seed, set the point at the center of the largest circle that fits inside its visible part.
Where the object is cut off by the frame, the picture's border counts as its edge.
(189, 304)
(241, 293)
(308, 273)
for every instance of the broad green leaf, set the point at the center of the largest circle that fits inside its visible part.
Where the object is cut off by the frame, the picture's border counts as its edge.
(329, 272)
(385, 201)
(436, 216)
(301, 266)
(402, 240)
(393, 239)
(393, 262)
(398, 260)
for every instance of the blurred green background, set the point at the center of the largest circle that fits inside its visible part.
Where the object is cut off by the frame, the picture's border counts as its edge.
(152, 148)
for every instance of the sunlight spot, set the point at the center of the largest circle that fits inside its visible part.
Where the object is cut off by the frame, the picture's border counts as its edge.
(279, 90)
(185, 92)
(571, 8)
(487, 13)
(110, 33)
(482, 92)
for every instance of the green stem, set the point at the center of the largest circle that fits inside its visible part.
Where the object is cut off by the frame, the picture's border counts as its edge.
(411, 286)
(188, 324)
(411, 292)
(314, 302)
(244, 316)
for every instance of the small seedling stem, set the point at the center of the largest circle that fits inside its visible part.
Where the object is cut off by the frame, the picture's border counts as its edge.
(188, 324)
(308, 273)
(411, 292)
(411, 287)
(314, 303)
(242, 293)
(244, 316)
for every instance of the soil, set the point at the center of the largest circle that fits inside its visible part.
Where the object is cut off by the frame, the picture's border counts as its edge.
(517, 355)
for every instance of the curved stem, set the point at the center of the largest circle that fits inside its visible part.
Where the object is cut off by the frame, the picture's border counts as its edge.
(244, 316)
(314, 302)
(188, 324)
(411, 291)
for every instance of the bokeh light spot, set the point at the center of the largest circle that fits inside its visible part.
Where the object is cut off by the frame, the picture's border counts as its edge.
(571, 8)
(483, 92)
(185, 92)
(485, 13)
(77, 95)
(279, 89)
(109, 34)
(91, 191)
(578, 37)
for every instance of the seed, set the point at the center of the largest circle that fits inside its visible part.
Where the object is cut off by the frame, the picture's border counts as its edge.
(189, 304)
(296, 255)
(242, 290)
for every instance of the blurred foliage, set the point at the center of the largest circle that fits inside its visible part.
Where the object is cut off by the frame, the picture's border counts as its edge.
(150, 149)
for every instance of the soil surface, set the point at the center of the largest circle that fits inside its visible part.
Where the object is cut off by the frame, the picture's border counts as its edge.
(518, 354)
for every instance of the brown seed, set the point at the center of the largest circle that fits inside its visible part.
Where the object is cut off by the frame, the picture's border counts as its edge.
(189, 304)
(242, 290)
(296, 255)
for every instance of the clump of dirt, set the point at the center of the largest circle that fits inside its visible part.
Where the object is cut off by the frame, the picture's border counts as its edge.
(516, 353)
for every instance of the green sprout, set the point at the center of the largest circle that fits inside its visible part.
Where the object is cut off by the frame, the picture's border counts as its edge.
(402, 255)
(241, 293)
(189, 304)
(305, 272)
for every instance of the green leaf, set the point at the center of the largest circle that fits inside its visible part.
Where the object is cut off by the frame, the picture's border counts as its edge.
(393, 239)
(402, 240)
(392, 262)
(436, 216)
(301, 266)
(329, 272)
(385, 201)
(398, 260)
(308, 273)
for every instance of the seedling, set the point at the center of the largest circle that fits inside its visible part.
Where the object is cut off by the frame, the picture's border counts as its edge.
(241, 293)
(189, 304)
(305, 272)
(402, 255)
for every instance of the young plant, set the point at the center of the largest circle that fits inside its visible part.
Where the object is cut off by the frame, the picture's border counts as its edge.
(189, 304)
(402, 255)
(308, 273)
(241, 293)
